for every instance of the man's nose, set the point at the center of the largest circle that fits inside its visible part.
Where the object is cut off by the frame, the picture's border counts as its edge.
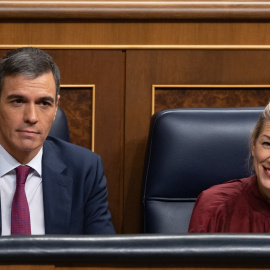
(30, 114)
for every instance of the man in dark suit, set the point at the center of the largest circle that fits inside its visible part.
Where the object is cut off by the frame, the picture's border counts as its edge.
(64, 190)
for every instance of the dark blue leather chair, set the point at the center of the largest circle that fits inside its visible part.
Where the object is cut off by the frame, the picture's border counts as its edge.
(59, 126)
(188, 151)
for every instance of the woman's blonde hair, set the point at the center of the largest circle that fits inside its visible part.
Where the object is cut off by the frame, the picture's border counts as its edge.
(255, 133)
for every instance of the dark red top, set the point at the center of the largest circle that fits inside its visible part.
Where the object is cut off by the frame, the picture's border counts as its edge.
(235, 206)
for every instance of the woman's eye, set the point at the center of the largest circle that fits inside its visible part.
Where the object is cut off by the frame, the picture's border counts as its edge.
(266, 144)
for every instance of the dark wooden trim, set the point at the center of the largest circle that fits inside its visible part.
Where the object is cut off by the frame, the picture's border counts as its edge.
(135, 10)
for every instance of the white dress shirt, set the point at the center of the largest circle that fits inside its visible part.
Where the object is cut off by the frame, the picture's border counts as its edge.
(33, 190)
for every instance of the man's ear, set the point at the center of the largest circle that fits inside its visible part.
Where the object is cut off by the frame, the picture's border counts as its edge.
(56, 106)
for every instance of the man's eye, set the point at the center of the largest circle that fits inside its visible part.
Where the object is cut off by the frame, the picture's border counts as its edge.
(45, 103)
(17, 101)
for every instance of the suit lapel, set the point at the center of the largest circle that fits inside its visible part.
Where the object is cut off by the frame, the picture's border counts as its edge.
(57, 192)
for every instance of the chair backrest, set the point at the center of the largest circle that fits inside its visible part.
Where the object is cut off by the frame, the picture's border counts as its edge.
(59, 126)
(188, 151)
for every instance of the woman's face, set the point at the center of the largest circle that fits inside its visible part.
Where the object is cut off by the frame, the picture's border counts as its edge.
(261, 160)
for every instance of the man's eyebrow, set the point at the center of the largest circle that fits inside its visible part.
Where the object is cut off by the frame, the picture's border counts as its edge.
(49, 99)
(46, 98)
(15, 97)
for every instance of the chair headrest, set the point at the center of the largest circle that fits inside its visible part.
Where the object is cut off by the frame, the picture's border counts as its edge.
(59, 126)
(188, 151)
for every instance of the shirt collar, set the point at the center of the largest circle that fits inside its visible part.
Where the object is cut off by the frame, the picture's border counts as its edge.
(8, 163)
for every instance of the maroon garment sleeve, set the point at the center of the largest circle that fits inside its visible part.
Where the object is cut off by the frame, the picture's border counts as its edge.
(215, 207)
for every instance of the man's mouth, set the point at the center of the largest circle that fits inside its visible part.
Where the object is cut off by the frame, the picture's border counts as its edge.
(28, 132)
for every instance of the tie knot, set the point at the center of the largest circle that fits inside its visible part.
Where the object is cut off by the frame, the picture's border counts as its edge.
(21, 174)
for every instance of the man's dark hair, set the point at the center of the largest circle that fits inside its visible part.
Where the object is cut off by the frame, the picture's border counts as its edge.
(30, 62)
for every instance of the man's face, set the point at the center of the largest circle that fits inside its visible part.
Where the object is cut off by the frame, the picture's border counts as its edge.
(27, 110)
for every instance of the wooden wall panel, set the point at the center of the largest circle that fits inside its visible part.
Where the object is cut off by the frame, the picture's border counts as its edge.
(144, 33)
(171, 98)
(125, 50)
(178, 67)
(104, 69)
(80, 121)
(135, 9)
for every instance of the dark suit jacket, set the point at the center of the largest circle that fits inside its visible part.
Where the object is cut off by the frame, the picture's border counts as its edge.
(74, 190)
